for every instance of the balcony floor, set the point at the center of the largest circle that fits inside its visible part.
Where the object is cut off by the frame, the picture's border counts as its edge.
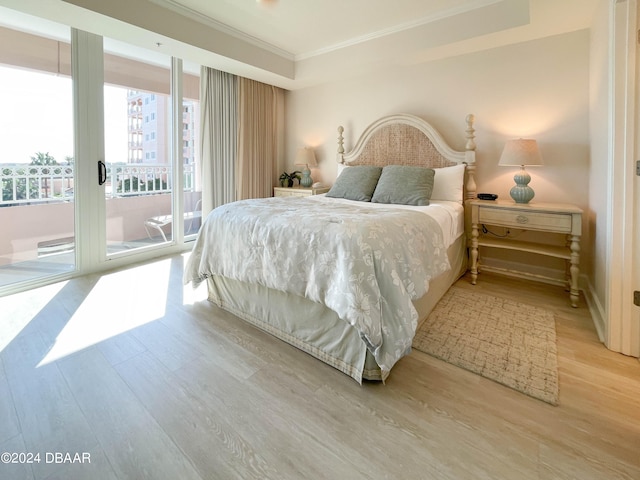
(57, 263)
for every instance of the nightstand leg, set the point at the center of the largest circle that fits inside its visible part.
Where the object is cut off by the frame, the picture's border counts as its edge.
(575, 269)
(474, 253)
(567, 267)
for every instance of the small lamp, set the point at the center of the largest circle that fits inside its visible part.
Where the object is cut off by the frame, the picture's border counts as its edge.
(521, 152)
(306, 157)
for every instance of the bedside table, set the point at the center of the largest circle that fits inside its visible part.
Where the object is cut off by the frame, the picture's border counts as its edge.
(542, 217)
(298, 191)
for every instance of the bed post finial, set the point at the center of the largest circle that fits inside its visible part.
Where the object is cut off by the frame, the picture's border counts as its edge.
(340, 156)
(471, 144)
(470, 158)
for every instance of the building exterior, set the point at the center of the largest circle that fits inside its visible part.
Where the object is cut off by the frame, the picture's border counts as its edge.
(148, 128)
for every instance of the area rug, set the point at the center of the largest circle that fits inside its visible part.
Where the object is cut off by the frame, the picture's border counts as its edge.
(509, 342)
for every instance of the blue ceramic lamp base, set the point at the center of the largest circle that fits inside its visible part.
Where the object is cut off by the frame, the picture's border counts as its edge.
(306, 181)
(522, 192)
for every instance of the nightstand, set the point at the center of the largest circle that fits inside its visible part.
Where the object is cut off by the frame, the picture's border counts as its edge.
(542, 217)
(298, 191)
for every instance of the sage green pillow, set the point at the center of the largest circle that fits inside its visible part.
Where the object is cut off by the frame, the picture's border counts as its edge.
(404, 185)
(356, 183)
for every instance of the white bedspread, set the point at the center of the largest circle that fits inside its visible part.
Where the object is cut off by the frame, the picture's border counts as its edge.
(367, 263)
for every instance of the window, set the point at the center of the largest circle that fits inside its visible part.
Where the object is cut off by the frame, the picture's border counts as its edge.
(37, 164)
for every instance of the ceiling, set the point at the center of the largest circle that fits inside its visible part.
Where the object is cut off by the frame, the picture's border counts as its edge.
(304, 28)
(352, 37)
(298, 43)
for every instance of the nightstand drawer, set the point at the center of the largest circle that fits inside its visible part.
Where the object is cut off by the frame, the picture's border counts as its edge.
(549, 222)
(298, 191)
(290, 192)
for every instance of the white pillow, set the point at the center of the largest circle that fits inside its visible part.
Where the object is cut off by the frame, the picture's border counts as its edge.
(448, 183)
(341, 168)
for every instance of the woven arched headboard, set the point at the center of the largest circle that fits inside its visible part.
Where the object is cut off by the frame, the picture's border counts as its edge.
(404, 139)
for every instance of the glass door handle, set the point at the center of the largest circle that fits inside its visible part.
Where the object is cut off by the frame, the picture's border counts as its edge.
(102, 172)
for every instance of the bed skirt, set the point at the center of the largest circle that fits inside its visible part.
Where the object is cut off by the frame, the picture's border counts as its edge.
(315, 329)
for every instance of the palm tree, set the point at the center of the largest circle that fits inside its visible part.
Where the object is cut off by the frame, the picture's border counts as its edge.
(43, 159)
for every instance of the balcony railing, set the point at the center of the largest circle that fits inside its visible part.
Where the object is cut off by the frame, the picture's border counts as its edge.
(29, 184)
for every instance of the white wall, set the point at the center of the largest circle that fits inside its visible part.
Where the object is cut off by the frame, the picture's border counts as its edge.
(537, 89)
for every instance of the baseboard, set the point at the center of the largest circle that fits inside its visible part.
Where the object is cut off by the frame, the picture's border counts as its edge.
(529, 272)
(596, 309)
(553, 277)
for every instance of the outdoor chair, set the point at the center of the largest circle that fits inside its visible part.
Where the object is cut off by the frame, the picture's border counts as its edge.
(157, 223)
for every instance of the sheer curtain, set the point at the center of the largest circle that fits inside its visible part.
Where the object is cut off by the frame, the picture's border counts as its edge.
(260, 138)
(219, 133)
(242, 124)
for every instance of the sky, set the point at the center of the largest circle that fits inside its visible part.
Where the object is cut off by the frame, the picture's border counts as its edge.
(36, 115)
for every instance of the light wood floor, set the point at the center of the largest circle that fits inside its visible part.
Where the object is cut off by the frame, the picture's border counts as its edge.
(154, 382)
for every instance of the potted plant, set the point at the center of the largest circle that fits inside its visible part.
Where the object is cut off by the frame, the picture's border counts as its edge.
(286, 179)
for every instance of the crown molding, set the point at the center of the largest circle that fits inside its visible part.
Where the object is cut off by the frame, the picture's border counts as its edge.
(418, 22)
(180, 9)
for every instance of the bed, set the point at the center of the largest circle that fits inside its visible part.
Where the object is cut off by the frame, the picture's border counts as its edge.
(348, 276)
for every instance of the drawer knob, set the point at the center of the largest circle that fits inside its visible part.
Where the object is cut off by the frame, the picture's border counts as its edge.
(521, 219)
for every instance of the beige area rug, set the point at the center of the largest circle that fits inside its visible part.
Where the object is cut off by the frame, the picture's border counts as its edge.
(506, 341)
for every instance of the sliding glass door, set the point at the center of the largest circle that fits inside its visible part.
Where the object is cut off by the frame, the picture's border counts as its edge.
(99, 141)
(147, 147)
(138, 173)
(190, 151)
(37, 161)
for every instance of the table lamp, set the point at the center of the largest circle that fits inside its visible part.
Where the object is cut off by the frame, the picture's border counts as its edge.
(521, 152)
(306, 157)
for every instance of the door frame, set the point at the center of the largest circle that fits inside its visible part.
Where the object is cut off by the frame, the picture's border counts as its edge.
(623, 240)
(88, 104)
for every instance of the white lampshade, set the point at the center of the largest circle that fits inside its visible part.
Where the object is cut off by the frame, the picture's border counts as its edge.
(305, 156)
(521, 152)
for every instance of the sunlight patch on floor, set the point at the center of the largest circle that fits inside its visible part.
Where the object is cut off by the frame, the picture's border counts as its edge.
(119, 302)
